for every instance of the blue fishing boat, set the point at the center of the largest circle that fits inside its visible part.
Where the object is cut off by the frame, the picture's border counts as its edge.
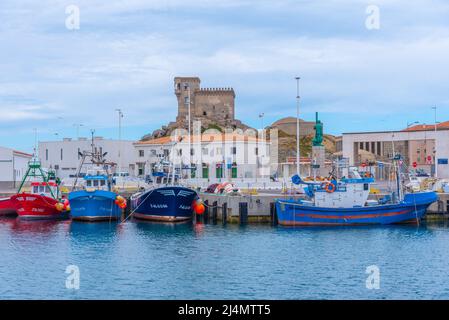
(169, 203)
(167, 200)
(96, 201)
(345, 202)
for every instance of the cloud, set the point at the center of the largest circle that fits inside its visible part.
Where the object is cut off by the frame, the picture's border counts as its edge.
(127, 53)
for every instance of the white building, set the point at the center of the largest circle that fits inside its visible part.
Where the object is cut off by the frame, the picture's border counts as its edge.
(215, 157)
(13, 166)
(421, 146)
(63, 156)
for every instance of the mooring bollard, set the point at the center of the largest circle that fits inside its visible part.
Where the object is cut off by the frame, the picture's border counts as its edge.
(274, 216)
(243, 212)
(224, 213)
(214, 212)
(206, 211)
(127, 211)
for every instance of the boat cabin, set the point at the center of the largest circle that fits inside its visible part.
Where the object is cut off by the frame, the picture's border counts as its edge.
(97, 182)
(348, 192)
(48, 189)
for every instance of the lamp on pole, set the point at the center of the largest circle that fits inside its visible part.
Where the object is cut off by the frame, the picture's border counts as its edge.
(78, 125)
(435, 141)
(120, 116)
(189, 129)
(409, 124)
(297, 127)
(261, 115)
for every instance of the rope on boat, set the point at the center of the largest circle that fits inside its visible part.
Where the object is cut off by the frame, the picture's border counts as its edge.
(132, 212)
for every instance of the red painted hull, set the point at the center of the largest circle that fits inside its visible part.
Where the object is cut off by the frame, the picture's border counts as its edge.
(33, 206)
(7, 207)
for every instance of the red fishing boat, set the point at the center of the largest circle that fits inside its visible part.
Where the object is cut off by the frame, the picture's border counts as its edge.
(7, 207)
(42, 202)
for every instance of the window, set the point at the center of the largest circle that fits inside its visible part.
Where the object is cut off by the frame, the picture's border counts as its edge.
(95, 183)
(141, 153)
(61, 154)
(205, 151)
(46, 154)
(186, 85)
(89, 183)
(256, 151)
(204, 113)
(101, 150)
(219, 151)
(361, 145)
(153, 152)
(186, 100)
(192, 152)
(234, 150)
(378, 148)
(102, 183)
(178, 86)
(78, 153)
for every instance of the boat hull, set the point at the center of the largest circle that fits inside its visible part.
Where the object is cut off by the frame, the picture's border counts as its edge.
(165, 204)
(97, 205)
(34, 206)
(7, 207)
(411, 210)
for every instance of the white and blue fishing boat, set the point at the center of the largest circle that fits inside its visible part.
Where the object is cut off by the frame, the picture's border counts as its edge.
(345, 202)
(96, 201)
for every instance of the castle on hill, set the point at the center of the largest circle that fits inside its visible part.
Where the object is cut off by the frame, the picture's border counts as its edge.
(214, 107)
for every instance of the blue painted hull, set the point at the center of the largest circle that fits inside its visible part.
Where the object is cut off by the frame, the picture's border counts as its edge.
(94, 206)
(171, 204)
(412, 209)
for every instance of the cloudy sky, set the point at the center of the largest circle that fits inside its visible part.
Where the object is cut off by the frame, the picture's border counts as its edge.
(127, 52)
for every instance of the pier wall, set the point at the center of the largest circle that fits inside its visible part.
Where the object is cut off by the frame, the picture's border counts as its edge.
(258, 205)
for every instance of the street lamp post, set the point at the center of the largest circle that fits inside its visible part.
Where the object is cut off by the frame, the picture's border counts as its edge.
(298, 156)
(409, 124)
(120, 116)
(189, 171)
(78, 125)
(435, 141)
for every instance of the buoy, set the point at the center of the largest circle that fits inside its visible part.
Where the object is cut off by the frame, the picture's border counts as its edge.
(330, 187)
(199, 208)
(59, 206)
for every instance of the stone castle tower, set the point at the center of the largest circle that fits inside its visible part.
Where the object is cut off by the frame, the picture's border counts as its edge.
(210, 105)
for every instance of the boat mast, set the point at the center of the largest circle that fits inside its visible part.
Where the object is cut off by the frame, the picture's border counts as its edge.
(298, 155)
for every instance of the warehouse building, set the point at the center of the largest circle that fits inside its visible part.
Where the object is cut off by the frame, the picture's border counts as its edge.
(13, 166)
(63, 156)
(424, 147)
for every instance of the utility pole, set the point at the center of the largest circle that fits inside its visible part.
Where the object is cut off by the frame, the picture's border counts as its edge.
(298, 155)
(189, 129)
(78, 125)
(435, 141)
(120, 116)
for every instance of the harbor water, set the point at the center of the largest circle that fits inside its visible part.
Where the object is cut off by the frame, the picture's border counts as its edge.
(141, 260)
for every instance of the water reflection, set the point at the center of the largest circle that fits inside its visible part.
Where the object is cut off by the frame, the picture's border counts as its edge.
(41, 227)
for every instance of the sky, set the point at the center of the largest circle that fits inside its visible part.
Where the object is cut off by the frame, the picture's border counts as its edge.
(126, 53)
